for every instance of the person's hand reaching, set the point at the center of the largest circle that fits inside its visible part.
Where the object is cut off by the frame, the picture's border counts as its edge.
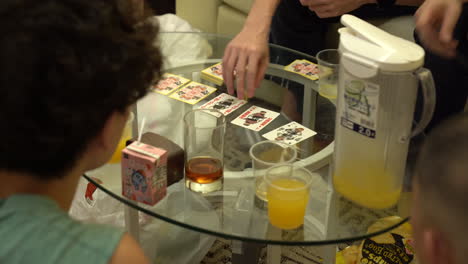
(333, 8)
(435, 22)
(245, 61)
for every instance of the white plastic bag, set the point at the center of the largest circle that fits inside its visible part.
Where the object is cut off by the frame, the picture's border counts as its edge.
(180, 49)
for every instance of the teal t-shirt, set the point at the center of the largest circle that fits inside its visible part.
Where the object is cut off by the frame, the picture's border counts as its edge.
(33, 229)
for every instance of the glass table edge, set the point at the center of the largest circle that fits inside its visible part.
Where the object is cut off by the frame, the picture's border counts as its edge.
(240, 238)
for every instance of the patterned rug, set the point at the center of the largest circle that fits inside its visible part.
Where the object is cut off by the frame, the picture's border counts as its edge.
(221, 253)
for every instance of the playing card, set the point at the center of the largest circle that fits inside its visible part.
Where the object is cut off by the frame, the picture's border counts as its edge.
(255, 118)
(192, 93)
(213, 74)
(215, 71)
(304, 68)
(224, 103)
(291, 133)
(169, 83)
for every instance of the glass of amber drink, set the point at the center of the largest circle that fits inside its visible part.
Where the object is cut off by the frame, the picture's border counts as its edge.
(204, 150)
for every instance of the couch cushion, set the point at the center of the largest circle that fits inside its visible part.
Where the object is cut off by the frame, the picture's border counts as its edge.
(242, 5)
(200, 16)
(230, 20)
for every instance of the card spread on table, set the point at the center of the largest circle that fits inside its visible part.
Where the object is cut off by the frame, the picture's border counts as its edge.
(291, 133)
(224, 103)
(169, 83)
(255, 118)
(192, 93)
(213, 74)
(304, 68)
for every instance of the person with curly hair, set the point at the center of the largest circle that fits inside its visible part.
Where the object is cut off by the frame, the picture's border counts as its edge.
(69, 72)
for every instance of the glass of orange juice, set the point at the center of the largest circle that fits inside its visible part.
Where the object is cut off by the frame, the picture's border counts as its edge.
(288, 188)
(266, 154)
(126, 135)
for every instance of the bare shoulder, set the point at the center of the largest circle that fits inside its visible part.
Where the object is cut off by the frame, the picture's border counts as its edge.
(128, 251)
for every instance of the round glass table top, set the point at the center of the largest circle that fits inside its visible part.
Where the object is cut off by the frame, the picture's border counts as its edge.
(232, 212)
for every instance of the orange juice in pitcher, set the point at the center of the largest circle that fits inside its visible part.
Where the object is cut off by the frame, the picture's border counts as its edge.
(368, 186)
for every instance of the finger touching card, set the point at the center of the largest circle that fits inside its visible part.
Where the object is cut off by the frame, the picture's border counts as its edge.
(255, 118)
(169, 83)
(291, 133)
(192, 93)
(224, 103)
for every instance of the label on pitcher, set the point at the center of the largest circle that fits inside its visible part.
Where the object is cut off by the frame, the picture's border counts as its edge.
(361, 101)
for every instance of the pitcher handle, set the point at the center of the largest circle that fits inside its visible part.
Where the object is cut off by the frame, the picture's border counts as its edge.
(429, 98)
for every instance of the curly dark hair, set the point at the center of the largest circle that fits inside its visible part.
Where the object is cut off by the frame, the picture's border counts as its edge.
(65, 67)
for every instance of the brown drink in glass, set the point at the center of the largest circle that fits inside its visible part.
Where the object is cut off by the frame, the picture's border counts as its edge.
(204, 169)
(204, 147)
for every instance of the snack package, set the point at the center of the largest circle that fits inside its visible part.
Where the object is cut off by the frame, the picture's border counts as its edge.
(393, 247)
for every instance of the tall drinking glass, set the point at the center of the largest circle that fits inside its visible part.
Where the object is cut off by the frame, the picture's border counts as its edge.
(288, 189)
(204, 149)
(328, 65)
(266, 154)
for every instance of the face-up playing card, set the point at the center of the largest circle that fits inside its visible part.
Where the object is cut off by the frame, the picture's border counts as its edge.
(224, 103)
(291, 133)
(213, 74)
(215, 71)
(192, 93)
(169, 83)
(304, 68)
(255, 118)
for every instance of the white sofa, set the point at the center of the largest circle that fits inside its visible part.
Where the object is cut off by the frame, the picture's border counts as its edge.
(226, 17)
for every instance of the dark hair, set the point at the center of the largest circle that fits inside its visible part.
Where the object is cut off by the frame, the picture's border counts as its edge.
(65, 67)
(442, 171)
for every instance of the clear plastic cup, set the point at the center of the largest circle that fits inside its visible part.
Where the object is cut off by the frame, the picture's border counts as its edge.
(288, 189)
(328, 65)
(266, 154)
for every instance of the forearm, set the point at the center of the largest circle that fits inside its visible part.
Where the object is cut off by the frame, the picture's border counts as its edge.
(260, 16)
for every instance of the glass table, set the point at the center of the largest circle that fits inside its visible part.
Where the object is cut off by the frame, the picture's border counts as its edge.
(231, 213)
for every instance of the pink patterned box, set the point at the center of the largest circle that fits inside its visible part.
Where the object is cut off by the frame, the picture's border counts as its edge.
(144, 173)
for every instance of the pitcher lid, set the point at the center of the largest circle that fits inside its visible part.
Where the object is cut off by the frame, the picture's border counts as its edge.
(391, 53)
